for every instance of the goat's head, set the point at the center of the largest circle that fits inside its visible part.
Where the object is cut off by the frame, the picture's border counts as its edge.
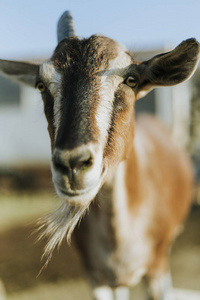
(89, 108)
(89, 87)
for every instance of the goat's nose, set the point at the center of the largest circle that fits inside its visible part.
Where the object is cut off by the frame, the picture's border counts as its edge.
(71, 162)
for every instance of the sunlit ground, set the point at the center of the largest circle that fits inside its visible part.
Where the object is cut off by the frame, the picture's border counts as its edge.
(64, 277)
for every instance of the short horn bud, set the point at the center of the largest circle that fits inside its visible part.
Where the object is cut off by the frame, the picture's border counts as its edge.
(65, 26)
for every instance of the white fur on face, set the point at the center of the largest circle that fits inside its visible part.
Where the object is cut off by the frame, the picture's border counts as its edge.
(53, 80)
(110, 80)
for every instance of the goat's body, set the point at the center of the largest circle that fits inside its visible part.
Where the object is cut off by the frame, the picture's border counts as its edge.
(137, 213)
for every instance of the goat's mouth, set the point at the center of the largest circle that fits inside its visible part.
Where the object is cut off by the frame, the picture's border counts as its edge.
(79, 197)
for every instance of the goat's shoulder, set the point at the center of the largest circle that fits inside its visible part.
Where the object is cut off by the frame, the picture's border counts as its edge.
(163, 166)
(153, 138)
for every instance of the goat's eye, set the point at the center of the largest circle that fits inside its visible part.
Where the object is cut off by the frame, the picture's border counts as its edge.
(40, 86)
(131, 81)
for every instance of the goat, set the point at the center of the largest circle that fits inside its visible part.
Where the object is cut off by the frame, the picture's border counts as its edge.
(128, 175)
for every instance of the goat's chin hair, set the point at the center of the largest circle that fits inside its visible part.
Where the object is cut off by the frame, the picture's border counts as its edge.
(57, 226)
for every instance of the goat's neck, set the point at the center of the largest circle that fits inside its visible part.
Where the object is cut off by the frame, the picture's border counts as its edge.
(121, 194)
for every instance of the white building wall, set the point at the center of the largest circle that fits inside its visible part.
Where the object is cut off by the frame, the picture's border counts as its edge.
(23, 132)
(173, 108)
(181, 95)
(164, 108)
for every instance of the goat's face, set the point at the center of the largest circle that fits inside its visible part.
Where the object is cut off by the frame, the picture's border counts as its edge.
(88, 88)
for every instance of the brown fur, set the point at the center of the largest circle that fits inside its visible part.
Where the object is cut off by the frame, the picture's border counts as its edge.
(136, 215)
(161, 196)
(80, 62)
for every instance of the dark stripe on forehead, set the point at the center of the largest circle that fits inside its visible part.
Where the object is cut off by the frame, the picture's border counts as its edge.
(75, 125)
(79, 61)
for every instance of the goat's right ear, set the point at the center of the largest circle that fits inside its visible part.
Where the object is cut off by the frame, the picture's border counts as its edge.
(20, 71)
(169, 68)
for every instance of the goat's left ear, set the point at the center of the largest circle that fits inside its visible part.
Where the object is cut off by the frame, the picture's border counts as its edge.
(169, 68)
(20, 71)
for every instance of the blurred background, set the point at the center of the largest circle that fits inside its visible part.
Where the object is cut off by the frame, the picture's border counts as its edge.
(28, 32)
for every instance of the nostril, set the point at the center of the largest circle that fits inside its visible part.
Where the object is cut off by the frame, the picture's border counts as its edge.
(61, 168)
(82, 165)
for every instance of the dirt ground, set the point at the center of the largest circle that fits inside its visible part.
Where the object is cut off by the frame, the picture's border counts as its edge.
(64, 278)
